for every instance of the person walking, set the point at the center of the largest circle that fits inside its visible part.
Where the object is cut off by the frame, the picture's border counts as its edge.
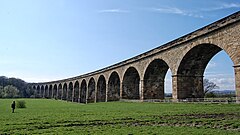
(13, 106)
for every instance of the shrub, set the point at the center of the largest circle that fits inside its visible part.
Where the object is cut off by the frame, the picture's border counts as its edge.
(21, 104)
(210, 95)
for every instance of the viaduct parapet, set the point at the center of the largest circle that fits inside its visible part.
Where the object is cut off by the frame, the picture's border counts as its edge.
(142, 77)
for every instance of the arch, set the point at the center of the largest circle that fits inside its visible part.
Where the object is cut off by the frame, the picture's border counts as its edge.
(168, 84)
(64, 93)
(83, 91)
(76, 92)
(42, 91)
(50, 91)
(60, 91)
(130, 84)
(46, 91)
(220, 73)
(33, 87)
(55, 91)
(38, 92)
(190, 72)
(101, 89)
(114, 87)
(91, 90)
(154, 79)
(70, 92)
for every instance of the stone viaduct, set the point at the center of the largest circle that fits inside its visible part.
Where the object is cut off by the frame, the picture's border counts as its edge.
(142, 77)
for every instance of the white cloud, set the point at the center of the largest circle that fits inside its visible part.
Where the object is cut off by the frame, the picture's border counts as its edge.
(224, 81)
(113, 11)
(217, 75)
(175, 10)
(211, 64)
(197, 13)
(171, 10)
(231, 5)
(168, 82)
(168, 85)
(223, 6)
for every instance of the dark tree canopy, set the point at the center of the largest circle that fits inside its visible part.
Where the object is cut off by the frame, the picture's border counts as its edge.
(21, 85)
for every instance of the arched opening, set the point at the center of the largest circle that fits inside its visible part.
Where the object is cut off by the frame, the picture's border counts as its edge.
(34, 90)
(168, 85)
(46, 91)
(60, 91)
(101, 89)
(83, 91)
(91, 91)
(50, 91)
(130, 84)
(191, 70)
(38, 92)
(70, 92)
(114, 87)
(64, 94)
(55, 91)
(76, 92)
(154, 79)
(42, 91)
(220, 71)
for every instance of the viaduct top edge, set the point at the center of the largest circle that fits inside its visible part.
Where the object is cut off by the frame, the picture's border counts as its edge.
(228, 20)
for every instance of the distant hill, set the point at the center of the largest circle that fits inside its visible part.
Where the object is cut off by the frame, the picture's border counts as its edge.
(217, 92)
(224, 92)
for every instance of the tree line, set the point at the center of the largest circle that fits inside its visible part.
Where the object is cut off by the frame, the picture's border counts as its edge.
(14, 88)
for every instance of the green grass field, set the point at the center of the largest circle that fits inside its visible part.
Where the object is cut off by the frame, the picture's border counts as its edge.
(44, 116)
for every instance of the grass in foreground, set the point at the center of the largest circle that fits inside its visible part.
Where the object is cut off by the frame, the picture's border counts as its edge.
(44, 116)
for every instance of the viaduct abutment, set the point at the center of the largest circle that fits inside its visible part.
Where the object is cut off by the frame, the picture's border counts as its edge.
(142, 77)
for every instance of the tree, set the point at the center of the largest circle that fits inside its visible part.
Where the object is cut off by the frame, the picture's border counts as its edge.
(209, 86)
(1, 91)
(30, 92)
(21, 85)
(9, 91)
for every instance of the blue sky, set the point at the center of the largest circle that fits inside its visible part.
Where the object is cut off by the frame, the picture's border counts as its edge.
(46, 40)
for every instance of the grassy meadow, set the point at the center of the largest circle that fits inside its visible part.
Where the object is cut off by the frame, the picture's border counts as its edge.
(45, 116)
